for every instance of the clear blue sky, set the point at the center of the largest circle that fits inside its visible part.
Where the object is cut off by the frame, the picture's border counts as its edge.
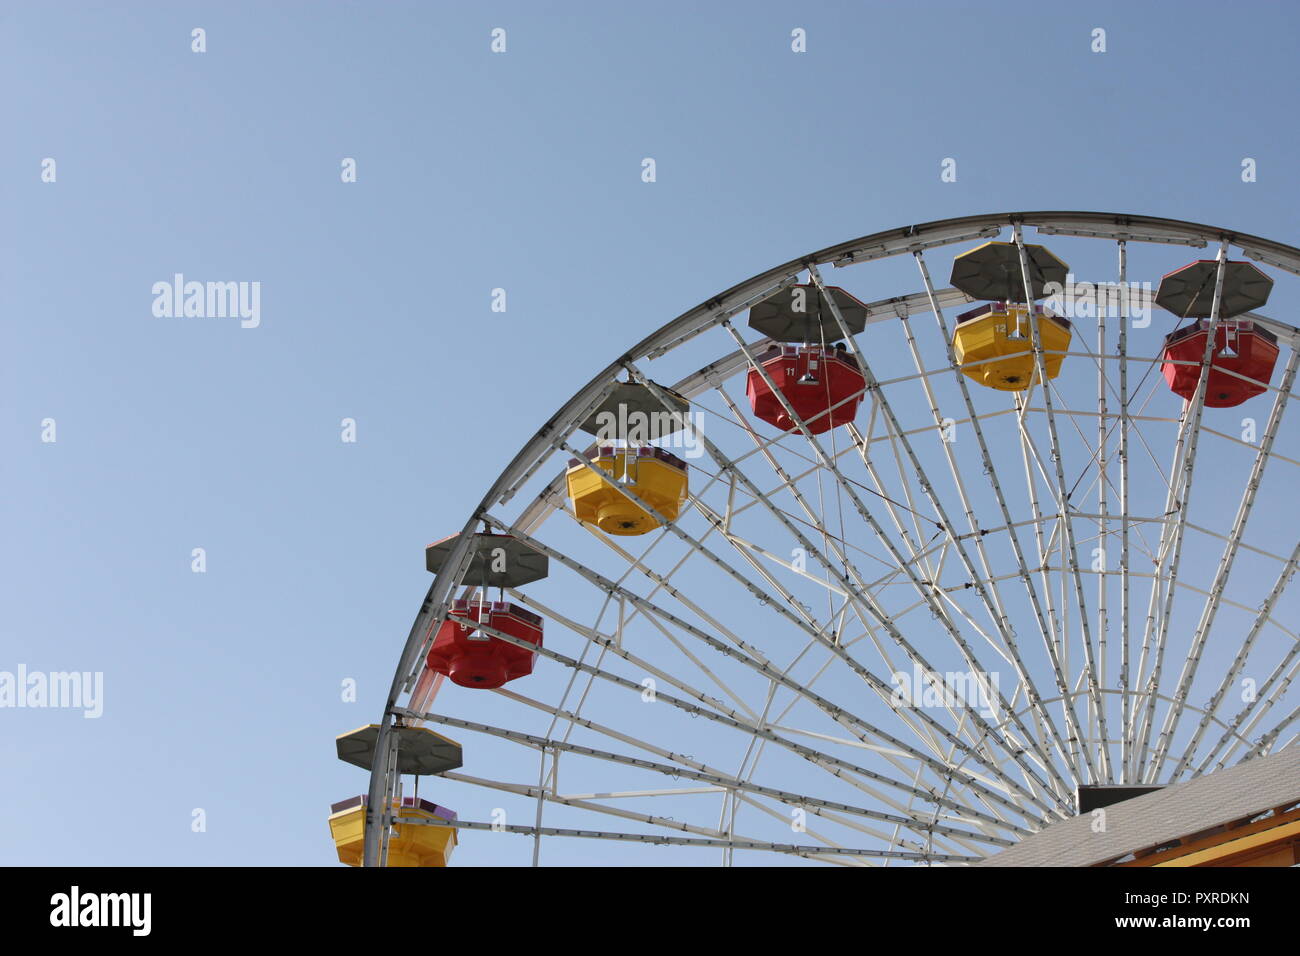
(475, 171)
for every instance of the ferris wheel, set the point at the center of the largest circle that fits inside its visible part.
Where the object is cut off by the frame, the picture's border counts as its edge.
(887, 556)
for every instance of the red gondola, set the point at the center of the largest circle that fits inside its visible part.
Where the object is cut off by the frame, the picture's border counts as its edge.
(824, 386)
(1239, 346)
(479, 660)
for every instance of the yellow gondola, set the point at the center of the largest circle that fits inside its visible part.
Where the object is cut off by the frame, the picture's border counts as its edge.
(410, 844)
(657, 477)
(994, 345)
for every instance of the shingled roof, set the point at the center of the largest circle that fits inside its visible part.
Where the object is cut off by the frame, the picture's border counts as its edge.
(1177, 810)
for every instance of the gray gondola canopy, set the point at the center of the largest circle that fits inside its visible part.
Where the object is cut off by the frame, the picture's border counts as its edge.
(633, 410)
(420, 751)
(992, 272)
(800, 314)
(499, 561)
(1189, 292)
